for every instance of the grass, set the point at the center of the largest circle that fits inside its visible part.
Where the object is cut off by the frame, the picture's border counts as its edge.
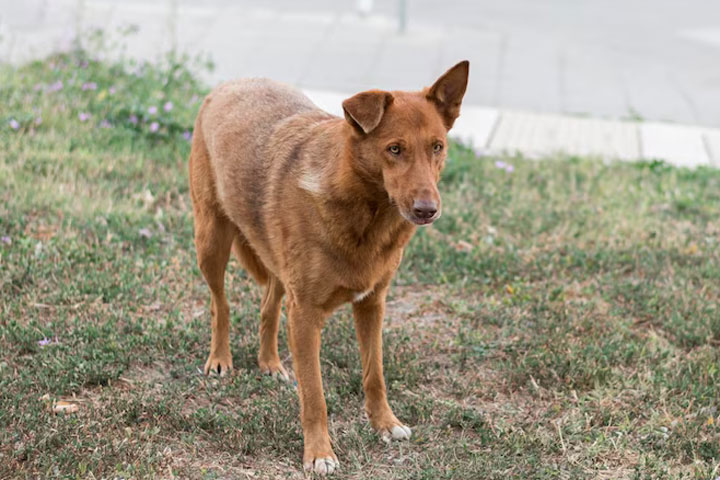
(559, 321)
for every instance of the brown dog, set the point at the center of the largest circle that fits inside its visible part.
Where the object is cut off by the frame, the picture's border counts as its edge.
(317, 208)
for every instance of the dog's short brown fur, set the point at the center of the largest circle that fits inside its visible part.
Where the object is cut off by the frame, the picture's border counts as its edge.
(319, 209)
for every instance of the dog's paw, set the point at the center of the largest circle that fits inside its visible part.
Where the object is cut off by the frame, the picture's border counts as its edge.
(275, 370)
(218, 364)
(396, 432)
(322, 466)
(388, 426)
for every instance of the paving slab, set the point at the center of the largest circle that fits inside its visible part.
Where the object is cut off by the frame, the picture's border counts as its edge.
(712, 143)
(475, 126)
(545, 134)
(677, 144)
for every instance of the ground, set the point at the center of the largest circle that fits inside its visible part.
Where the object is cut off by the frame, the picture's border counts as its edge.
(560, 320)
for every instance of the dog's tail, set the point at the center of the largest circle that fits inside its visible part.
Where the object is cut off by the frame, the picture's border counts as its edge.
(249, 260)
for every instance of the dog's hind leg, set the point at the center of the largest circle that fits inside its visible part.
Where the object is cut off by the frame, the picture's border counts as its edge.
(270, 307)
(213, 240)
(214, 234)
(268, 357)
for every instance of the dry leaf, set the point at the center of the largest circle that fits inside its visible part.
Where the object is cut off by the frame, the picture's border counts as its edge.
(463, 246)
(65, 407)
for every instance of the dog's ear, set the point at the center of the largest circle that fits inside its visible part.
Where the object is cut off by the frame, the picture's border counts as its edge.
(365, 110)
(448, 91)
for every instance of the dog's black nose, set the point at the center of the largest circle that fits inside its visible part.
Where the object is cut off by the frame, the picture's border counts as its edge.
(424, 209)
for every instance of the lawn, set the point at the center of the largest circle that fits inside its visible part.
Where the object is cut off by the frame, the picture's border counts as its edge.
(561, 320)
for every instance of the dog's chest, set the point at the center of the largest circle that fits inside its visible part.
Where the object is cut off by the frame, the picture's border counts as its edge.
(360, 296)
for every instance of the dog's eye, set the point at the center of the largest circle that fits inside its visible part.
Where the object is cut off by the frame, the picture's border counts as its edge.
(437, 148)
(394, 149)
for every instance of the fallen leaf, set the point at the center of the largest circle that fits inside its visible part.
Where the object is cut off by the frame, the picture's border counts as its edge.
(463, 246)
(65, 407)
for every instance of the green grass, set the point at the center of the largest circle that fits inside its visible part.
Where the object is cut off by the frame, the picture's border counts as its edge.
(559, 321)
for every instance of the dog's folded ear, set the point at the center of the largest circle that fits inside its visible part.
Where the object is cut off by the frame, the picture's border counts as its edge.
(448, 91)
(365, 110)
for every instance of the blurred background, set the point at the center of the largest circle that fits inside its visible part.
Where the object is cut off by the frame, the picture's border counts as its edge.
(557, 76)
(649, 59)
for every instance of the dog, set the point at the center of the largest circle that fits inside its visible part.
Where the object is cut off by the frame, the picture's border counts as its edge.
(318, 209)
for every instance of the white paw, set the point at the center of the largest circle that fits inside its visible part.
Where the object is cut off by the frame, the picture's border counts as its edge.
(279, 374)
(274, 369)
(398, 432)
(322, 466)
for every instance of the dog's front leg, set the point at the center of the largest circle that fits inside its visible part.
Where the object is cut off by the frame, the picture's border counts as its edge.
(304, 327)
(369, 314)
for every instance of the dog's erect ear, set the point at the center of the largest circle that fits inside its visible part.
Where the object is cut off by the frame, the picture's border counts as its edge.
(365, 110)
(448, 91)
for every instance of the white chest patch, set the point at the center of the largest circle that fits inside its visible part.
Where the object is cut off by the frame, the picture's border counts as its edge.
(311, 181)
(359, 297)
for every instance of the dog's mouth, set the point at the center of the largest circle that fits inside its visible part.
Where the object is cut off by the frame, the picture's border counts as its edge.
(418, 220)
(410, 217)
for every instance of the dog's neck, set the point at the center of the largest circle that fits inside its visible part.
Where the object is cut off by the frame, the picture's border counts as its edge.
(349, 189)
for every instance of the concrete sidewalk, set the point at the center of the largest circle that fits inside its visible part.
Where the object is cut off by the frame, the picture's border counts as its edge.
(518, 69)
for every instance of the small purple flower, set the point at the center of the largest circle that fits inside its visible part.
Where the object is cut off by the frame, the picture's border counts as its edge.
(152, 110)
(133, 119)
(154, 127)
(168, 106)
(6, 240)
(505, 166)
(14, 124)
(187, 135)
(145, 233)
(105, 124)
(194, 98)
(111, 90)
(38, 87)
(89, 86)
(38, 121)
(47, 341)
(55, 87)
(84, 117)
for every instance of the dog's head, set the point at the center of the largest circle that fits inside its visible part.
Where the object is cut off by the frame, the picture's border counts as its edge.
(401, 138)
